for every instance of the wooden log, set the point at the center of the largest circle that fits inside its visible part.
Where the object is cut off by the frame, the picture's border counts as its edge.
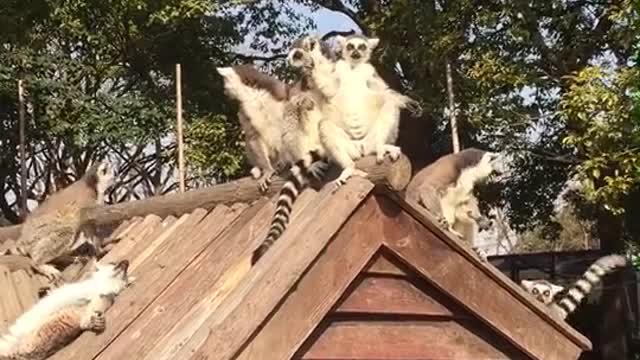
(392, 175)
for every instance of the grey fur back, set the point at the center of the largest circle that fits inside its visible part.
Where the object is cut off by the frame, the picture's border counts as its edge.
(443, 172)
(252, 77)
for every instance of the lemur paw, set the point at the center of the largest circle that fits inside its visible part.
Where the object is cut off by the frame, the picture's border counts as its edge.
(256, 172)
(346, 175)
(97, 322)
(50, 272)
(265, 182)
(318, 170)
(414, 108)
(391, 150)
(454, 232)
(305, 103)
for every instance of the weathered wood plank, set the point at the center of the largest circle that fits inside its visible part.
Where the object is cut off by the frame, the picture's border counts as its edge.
(15, 262)
(382, 265)
(231, 262)
(152, 277)
(129, 240)
(189, 296)
(23, 284)
(319, 289)
(251, 301)
(407, 340)
(10, 302)
(471, 286)
(382, 295)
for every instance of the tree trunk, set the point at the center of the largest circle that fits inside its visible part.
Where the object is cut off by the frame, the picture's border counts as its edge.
(452, 110)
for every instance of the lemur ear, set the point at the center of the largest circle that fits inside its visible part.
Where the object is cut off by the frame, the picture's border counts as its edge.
(341, 40)
(527, 284)
(224, 71)
(373, 43)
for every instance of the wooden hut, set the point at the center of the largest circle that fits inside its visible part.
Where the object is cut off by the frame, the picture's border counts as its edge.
(359, 274)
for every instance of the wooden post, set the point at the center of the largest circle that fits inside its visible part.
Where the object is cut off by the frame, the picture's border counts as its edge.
(23, 153)
(181, 171)
(452, 110)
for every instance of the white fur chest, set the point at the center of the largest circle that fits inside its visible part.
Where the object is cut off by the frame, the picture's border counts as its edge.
(355, 99)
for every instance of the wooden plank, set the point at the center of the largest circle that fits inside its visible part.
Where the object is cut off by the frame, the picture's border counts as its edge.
(143, 249)
(391, 296)
(319, 289)
(24, 289)
(15, 262)
(383, 265)
(263, 288)
(152, 277)
(403, 340)
(10, 302)
(127, 242)
(188, 297)
(231, 259)
(426, 220)
(470, 286)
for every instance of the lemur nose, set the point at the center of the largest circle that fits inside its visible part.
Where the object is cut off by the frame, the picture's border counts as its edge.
(297, 55)
(355, 55)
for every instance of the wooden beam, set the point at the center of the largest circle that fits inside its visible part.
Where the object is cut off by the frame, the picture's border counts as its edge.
(232, 324)
(392, 175)
(473, 289)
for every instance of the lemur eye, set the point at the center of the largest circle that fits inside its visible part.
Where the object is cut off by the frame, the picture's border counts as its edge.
(546, 293)
(350, 47)
(362, 47)
(535, 291)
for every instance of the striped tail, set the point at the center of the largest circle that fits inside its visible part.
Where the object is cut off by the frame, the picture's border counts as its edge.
(581, 288)
(288, 195)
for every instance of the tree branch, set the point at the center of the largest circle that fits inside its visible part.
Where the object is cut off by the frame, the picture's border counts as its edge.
(339, 6)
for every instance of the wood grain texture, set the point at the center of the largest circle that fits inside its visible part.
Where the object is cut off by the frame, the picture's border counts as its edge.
(179, 310)
(152, 277)
(473, 288)
(382, 264)
(391, 296)
(257, 295)
(8, 297)
(319, 289)
(406, 340)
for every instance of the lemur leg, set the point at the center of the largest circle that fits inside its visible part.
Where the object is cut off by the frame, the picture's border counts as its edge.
(384, 132)
(339, 146)
(259, 155)
(430, 199)
(448, 204)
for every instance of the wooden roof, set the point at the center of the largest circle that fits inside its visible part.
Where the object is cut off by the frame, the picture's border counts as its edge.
(196, 297)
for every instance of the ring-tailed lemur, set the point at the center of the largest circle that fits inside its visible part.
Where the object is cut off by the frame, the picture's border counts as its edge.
(363, 118)
(52, 229)
(301, 142)
(262, 99)
(64, 313)
(545, 291)
(445, 187)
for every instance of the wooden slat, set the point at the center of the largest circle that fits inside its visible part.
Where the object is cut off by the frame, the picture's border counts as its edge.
(222, 266)
(152, 277)
(188, 297)
(391, 296)
(470, 286)
(410, 340)
(143, 249)
(24, 289)
(319, 289)
(132, 237)
(10, 303)
(382, 265)
(257, 295)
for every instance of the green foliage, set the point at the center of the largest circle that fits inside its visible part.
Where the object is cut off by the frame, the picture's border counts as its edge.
(213, 147)
(598, 111)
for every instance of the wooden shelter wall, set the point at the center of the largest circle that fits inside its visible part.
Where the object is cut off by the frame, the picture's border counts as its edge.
(389, 313)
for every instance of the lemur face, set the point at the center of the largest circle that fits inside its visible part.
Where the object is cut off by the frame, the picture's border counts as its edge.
(357, 49)
(542, 290)
(301, 49)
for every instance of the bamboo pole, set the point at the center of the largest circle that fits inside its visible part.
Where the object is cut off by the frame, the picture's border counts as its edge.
(452, 110)
(181, 171)
(23, 152)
